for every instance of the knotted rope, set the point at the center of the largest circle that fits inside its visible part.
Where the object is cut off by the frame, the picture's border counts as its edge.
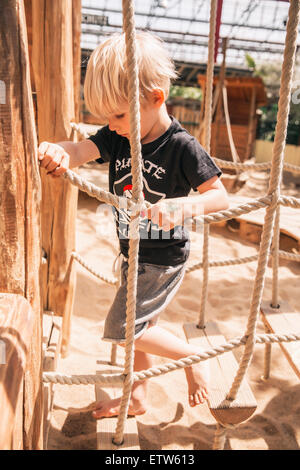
(137, 195)
(207, 127)
(271, 201)
(53, 377)
(274, 190)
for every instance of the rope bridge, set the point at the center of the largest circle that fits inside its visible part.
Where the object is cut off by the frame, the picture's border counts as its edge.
(271, 202)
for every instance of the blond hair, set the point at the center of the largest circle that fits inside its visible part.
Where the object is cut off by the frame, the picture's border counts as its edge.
(106, 81)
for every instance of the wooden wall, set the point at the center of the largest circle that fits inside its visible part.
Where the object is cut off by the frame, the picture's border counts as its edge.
(20, 248)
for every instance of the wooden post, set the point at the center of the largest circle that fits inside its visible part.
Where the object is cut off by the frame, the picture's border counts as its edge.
(251, 125)
(76, 27)
(52, 57)
(20, 250)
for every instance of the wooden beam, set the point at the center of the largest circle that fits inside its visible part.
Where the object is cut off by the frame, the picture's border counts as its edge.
(20, 250)
(53, 42)
(251, 125)
(218, 25)
(76, 28)
(16, 329)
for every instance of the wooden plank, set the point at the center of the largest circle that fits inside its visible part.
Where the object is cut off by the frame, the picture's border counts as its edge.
(284, 320)
(223, 370)
(106, 426)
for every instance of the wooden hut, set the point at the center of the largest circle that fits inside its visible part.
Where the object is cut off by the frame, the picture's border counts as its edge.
(244, 96)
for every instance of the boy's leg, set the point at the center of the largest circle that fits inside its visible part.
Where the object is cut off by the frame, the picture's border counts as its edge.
(160, 342)
(137, 405)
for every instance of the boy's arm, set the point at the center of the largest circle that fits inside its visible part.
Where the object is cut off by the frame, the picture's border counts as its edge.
(59, 157)
(214, 196)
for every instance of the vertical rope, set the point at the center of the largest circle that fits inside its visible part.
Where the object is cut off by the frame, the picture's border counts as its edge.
(267, 358)
(220, 437)
(275, 259)
(275, 301)
(207, 124)
(205, 268)
(137, 195)
(274, 190)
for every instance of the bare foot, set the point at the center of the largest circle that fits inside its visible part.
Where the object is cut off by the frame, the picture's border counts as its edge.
(198, 380)
(109, 408)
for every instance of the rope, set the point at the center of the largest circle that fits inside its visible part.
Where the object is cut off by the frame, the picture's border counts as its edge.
(242, 260)
(52, 377)
(137, 195)
(235, 211)
(289, 256)
(205, 266)
(290, 201)
(207, 127)
(103, 277)
(233, 150)
(275, 258)
(104, 196)
(122, 202)
(267, 358)
(253, 166)
(219, 437)
(225, 262)
(271, 201)
(274, 190)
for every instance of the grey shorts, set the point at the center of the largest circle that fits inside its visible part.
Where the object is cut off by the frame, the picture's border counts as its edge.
(156, 286)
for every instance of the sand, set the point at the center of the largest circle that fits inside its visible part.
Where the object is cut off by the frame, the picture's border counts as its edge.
(169, 422)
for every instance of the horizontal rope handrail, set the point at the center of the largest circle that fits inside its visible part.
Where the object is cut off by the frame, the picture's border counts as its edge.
(235, 211)
(226, 262)
(123, 202)
(242, 260)
(52, 377)
(109, 280)
(253, 166)
(104, 196)
(289, 256)
(89, 379)
(290, 201)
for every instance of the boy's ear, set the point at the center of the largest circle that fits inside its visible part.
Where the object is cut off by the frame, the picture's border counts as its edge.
(158, 97)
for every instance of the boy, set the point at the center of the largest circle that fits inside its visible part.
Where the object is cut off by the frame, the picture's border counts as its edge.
(173, 163)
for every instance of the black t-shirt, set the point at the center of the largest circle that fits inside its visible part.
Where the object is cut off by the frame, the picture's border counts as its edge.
(172, 165)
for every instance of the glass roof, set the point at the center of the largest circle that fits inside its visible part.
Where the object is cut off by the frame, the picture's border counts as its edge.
(254, 27)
